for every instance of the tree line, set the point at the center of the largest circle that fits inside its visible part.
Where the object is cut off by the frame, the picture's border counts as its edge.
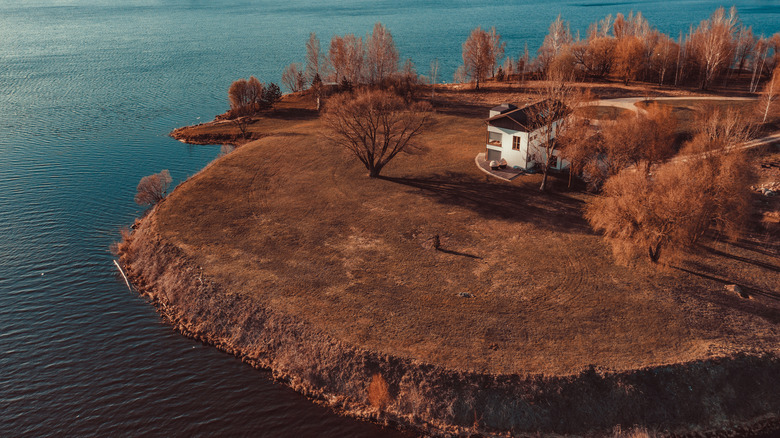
(350, 61)
(628, 48)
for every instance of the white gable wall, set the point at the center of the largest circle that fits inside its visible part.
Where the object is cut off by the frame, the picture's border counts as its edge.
(513, 157)
(530, 147)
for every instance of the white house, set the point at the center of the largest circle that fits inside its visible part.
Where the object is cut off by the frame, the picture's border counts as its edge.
(512, 134)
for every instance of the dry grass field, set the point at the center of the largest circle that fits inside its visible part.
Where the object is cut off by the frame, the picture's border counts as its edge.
(295, 223)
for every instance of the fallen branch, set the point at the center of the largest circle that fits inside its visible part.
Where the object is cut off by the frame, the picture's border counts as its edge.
(121, 271)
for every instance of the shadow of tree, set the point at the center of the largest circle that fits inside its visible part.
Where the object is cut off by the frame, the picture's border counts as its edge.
(458, 253)
(764, 248)
(463, 110)
(757, 263)
(293, 114)
(550, 210)
(725, 299)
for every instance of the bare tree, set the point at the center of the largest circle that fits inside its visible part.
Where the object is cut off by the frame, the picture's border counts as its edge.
(375, 126)
(245, 96)
(355, 57)
(595, 55)
(633, 140)
(718, 131)
(509, 66)
(523, 63)
(315, 60)
(153, 188)
(628, 57)
(337, 55)
(433, 75)
(745, 41)
(760, 50)
(496, 49)
(680, 54)
(657, 129)
(293, 78)
(558, 37)
(601, 28)
(712, 44)
(242, 123)
(237, 94)
(381, 54)
(774, 43)
(577, 145)
(664, 56)
(634, 25)
(770, 96)
(481, 53)
(557, 99)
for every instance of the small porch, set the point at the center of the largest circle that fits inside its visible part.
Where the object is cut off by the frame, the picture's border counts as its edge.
(506, 174)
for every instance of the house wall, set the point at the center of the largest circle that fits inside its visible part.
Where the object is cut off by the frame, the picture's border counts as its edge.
(512, 157)
(530, 147)
(537, 152)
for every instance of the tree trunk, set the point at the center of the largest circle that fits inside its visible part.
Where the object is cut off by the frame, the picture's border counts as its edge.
(373, 172)
(543, 187)
(655, 253)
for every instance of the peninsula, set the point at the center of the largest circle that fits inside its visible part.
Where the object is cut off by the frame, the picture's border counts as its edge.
(285, 254)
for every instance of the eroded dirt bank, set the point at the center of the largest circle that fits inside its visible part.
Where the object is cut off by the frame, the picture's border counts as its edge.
(736, 393)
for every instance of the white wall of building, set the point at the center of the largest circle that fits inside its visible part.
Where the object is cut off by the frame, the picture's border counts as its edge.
(530, 147)
(513, 157)
(537, 153)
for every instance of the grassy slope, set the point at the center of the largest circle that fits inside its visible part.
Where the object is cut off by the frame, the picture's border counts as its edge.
(296, 224)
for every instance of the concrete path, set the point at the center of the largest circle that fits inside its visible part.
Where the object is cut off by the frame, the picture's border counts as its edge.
(629, 102)
(507, 174)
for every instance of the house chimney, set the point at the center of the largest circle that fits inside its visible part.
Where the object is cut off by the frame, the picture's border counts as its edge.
(501, 109)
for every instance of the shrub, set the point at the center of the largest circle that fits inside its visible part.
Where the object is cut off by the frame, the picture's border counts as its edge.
(153, 188)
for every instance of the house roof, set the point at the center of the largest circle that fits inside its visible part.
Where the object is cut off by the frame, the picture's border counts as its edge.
(524, 119)
(504, 107)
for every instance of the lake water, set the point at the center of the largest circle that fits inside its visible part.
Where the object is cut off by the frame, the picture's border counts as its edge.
(88, 92)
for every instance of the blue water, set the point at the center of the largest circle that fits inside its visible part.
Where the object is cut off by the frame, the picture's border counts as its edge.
(88, 92)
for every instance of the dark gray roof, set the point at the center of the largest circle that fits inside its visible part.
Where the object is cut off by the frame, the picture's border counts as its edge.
(523, 119)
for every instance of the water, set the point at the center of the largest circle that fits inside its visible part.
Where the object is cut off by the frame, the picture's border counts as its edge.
(88, 92)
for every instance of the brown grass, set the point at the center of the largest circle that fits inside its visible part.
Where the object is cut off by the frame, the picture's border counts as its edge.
(297, 226)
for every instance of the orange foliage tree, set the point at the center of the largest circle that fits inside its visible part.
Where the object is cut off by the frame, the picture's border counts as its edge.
(673, 207)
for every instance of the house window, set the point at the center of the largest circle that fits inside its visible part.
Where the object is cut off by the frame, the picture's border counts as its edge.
(516, 140)
(494, 138)
(553, 162)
